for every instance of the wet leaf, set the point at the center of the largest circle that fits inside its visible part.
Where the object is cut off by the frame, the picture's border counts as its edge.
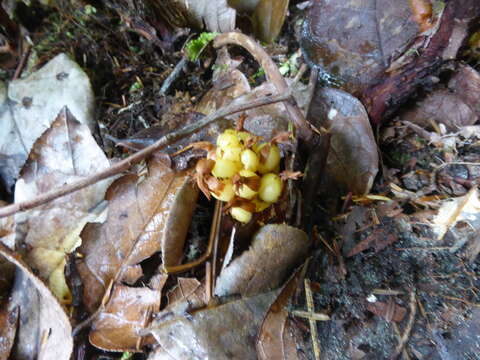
(454, 210)
(65, 153)
(353, 156)
(44, 330)
(268, 18)
(140, 222)
(8, 328)
(224, 332)
(28, 107)
(356, 41)
(276, 249)
(213, 15)
(126, 313)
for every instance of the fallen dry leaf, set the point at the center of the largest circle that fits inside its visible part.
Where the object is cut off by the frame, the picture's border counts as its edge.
(31, 104)
(454, 210)
(44, 330)
(139, 223)
(442, 107)
(8, 328)
(466, 83)
(389, 311)
(189, 291)
(65, 153)
(276, 249)
(7, 237)
(127, 312)
(276, 338)
(268, 18)
(224, 332)
(353, 156)
(379, 239)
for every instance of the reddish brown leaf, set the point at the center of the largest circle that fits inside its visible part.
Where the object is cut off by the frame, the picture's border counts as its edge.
(139, 224)
(379, 239)
(126, 313)
(44, 330)
(357, 40)
(465, 83)
(276, 249)
(353, 157)
(415, 66)
(276, 340)
(389, 311)
(442, 107)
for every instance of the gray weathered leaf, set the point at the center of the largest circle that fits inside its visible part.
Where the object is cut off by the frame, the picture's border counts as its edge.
(227, 331)
(65, 153)
(28, 107)
(276, 249)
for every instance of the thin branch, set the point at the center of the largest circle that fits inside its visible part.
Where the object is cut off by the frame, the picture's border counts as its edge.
(408, 328)
(126, 163)
(173, 76)
(271, 72)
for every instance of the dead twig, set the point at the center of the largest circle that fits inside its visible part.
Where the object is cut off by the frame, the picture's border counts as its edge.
(177, 70)
(272, 74)
(126, 163)
(408, 328)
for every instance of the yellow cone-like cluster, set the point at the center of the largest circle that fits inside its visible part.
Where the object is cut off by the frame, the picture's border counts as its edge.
(245, 173)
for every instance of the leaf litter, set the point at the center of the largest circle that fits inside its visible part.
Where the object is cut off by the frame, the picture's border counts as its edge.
(372, 228)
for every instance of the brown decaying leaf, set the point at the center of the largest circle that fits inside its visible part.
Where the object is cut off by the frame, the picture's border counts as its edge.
(442, 107)
(379, 239)
(127, 312)
(8, 328)
(389, 311)
(414, 68)
(7, 237)
(422, 13)
(138, 225)
(268, 19)
(276, 249)
(466, 84)
(276, 340)
(189, 291)
(227, 331)
(357, 40)
(353, 156)
(65, 153)
(44, 330)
